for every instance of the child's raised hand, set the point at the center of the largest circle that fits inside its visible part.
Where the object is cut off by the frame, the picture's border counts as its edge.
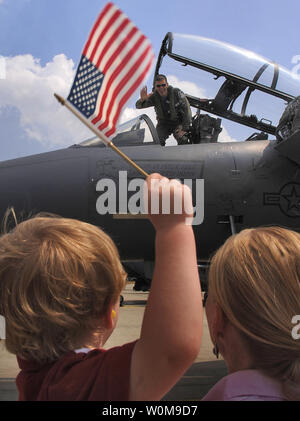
(168, 202)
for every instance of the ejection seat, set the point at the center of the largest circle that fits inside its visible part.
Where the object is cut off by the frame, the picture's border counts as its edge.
(205, 129)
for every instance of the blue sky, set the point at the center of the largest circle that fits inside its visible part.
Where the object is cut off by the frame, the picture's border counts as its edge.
(41, 42)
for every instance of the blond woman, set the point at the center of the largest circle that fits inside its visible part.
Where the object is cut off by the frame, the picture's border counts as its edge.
(253, 298)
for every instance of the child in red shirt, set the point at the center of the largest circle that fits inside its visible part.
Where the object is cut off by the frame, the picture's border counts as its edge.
(60, 286)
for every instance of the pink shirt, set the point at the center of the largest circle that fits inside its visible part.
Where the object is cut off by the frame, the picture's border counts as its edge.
(246, 385)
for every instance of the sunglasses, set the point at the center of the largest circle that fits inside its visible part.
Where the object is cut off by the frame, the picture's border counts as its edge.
(162, 84)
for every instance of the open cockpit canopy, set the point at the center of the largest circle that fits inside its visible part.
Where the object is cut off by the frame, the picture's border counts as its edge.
(245, 88)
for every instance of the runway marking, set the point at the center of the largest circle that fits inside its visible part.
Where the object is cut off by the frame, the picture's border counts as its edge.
(136, 303)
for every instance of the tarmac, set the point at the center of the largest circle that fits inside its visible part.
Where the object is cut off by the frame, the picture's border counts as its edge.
(195, 383)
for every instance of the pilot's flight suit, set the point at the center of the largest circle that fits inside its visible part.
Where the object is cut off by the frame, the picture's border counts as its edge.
(172, 112)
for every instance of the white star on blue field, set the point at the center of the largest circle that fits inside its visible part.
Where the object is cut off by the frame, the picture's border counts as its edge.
(87, 84)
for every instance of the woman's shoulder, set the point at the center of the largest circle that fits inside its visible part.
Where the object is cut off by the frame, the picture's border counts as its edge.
(246, 385)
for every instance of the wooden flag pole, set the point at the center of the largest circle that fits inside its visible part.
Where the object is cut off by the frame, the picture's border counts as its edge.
(100, 134)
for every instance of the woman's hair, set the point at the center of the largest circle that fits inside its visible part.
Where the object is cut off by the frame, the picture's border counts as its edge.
(255, 278)
(57, 278)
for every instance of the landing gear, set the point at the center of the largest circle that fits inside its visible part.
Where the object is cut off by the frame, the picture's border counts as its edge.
(142, 284)
(140, 273)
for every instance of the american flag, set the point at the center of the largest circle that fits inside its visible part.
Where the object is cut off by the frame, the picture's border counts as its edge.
(114, 62)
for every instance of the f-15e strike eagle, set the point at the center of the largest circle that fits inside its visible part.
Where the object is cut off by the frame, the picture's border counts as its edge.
(250, 182)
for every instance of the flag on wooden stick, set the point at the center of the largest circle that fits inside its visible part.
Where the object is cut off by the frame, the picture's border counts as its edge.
(115, 61)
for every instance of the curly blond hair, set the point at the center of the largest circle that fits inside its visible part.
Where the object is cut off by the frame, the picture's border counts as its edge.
(57, 278)
(255, 278)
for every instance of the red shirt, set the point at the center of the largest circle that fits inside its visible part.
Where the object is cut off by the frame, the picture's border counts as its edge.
(99, 375)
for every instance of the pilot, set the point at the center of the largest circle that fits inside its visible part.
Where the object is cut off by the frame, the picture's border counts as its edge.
(172, 109)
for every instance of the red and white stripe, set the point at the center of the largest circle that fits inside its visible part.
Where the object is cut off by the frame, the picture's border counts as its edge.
(120, 51)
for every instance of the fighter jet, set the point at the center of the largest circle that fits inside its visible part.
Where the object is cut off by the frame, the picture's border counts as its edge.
(248, 182)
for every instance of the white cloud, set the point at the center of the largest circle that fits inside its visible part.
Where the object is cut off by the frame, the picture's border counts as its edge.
(224, 136)
(29, 87)
(187, 87)
(129, 113)
(2, 67)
